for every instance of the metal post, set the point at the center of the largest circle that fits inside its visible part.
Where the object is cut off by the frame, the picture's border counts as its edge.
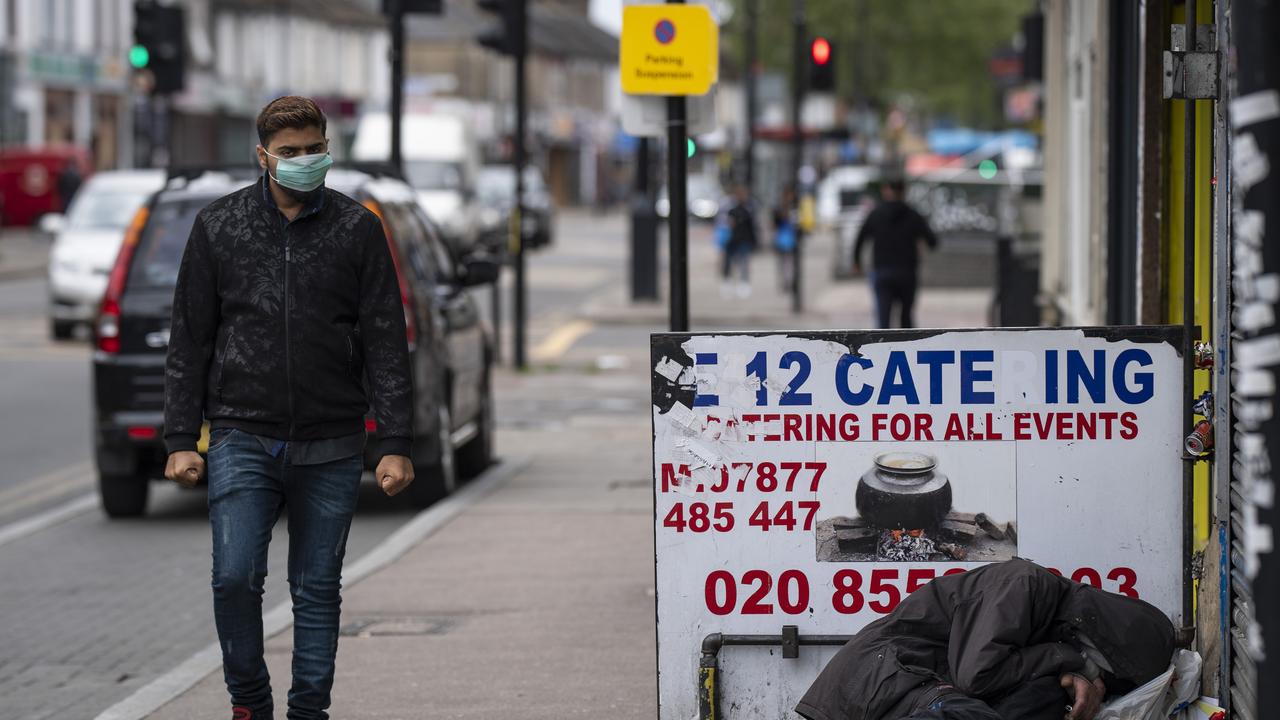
(521, 31)
(1188, 322)
(797, 147)
(644, 230)
(678, 215)
(397, 80)
(753, 16)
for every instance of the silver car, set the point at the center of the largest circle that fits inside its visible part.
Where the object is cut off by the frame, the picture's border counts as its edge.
(87, 241)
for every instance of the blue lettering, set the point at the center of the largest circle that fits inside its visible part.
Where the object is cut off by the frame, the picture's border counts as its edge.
(898, 381)
(970, 375)
(1079, 375)
(935, 359)
(1144, 380)
(1050, 376)
(842, 380)
(705, 400)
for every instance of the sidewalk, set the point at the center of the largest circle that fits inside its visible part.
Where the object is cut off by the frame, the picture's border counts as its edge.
(24, 253)
(537, 601)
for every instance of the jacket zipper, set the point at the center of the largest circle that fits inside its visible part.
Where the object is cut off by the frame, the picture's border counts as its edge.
(222, 365)
(288, 364)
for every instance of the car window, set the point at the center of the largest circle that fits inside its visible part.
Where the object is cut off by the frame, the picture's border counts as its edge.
(411, 239)
(445, 262)
(107, 209)
(433, 175)
(159, 251)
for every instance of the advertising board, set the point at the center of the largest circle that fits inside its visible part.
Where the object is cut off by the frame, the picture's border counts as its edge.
(815, 479)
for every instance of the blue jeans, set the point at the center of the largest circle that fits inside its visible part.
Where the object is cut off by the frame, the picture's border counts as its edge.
(894, 288)
(248, 489)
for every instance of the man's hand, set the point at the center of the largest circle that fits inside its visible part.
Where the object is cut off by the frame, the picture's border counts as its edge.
(394, 473)
(1088, 695)
(185, 467)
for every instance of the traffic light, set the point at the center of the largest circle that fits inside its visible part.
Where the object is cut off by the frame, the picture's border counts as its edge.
(159, 33)
(822, 65)
(508, 35)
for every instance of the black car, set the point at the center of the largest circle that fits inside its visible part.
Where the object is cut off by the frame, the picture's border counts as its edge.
(496, 193)
(451, 347)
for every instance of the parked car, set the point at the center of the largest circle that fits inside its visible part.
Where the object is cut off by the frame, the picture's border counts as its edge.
(440, 157)
(496, 193)
(704, 194)
(451, 348)
(87, 240)
(34, 180)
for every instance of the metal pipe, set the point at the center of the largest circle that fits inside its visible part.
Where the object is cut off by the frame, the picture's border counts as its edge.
(709, 663)
(521, 29)
(797, 148)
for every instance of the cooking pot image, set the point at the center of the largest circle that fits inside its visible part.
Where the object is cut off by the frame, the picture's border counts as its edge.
(904, 490)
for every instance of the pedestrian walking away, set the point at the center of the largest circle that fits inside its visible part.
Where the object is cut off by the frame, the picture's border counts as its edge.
(896, 232)
(740, 245)
(286, 294)
(784, 238)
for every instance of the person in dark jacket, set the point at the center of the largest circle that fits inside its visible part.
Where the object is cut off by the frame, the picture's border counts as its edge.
(896, 232)
(286, 298)
(1007, 641)
(741, 243)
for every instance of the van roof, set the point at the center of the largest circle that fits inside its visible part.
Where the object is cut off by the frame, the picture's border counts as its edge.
(423, 137)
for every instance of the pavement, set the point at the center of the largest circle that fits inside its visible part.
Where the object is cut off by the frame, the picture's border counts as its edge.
(24, 253)
(531, 593)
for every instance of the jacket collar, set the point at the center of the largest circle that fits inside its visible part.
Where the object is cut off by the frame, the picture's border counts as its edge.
(315, 202)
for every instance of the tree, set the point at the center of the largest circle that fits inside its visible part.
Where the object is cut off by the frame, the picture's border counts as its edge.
(934, 52)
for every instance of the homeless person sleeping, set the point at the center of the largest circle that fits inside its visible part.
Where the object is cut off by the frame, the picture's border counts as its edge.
(1007, 641)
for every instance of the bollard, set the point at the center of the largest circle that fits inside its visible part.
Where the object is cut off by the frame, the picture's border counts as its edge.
(644, 249)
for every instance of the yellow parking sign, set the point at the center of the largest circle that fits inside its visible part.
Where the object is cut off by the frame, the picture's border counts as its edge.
(668, 50)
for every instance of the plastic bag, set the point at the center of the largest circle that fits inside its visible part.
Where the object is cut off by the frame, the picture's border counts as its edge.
(1164, 694)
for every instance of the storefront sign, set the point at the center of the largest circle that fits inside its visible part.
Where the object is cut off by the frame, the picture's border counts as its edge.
(817, 479)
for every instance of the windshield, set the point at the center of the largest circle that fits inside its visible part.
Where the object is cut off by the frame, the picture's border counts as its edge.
(433, 175)
(155, 263)
(105, 209)
(498, 184)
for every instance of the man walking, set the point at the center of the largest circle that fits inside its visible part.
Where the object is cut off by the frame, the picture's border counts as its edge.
(897, 232)
(286, 294)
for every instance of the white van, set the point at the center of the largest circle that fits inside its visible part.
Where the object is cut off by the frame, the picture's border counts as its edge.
(440, 162)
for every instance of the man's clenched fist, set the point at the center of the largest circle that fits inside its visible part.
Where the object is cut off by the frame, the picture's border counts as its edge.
(185, 467)
(394, 473)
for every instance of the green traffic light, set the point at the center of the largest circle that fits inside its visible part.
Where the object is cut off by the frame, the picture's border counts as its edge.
(138, 56)
(987, 169)
(693, 147)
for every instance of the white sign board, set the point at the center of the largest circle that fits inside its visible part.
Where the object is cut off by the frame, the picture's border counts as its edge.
(817, 478)
(646, 115)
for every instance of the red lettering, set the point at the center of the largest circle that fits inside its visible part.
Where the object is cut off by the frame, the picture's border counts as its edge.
(954, 431)
(849, 427)
(924, 426)
(1020, 429)
(1128, 425)
(771, 418)
(900, 427)
(826, 430)
(1107, 418)
(791, 428)
(1064, 425)
(1085, 423)
(992, 432)
(879, 421)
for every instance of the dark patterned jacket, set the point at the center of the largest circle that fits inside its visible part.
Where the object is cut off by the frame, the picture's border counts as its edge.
(274, 326)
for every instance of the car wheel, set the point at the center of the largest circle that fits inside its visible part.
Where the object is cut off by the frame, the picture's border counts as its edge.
(62, 329)
(477, 454)
(435, 477)
(123, 495)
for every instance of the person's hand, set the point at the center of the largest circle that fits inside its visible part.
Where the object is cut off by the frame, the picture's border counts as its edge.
(184, 467)
(1088, 695)
(394, 473)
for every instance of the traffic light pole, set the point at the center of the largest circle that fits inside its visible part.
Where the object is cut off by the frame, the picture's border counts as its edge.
(396, 8)
(678, 214)
(520, 13)
(800, 62)
(753, 15)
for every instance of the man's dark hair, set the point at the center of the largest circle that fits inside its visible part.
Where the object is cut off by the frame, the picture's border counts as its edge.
(290, 111)
(897, 185)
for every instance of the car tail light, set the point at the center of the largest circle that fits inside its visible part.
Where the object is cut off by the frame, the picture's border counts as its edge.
(406, 297)
(107, 329)
(143, 432)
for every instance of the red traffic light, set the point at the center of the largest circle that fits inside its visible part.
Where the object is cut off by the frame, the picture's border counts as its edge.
(820, 51)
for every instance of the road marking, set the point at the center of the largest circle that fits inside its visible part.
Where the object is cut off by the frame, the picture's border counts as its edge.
(50, 485)
(157, 693)
(560, 340)
(48, 518)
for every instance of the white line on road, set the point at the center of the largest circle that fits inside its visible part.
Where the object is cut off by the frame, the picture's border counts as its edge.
(155, 694)
(48, 518)
(45, 487)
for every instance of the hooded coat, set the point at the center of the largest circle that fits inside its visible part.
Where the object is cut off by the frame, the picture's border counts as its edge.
(986, 632)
